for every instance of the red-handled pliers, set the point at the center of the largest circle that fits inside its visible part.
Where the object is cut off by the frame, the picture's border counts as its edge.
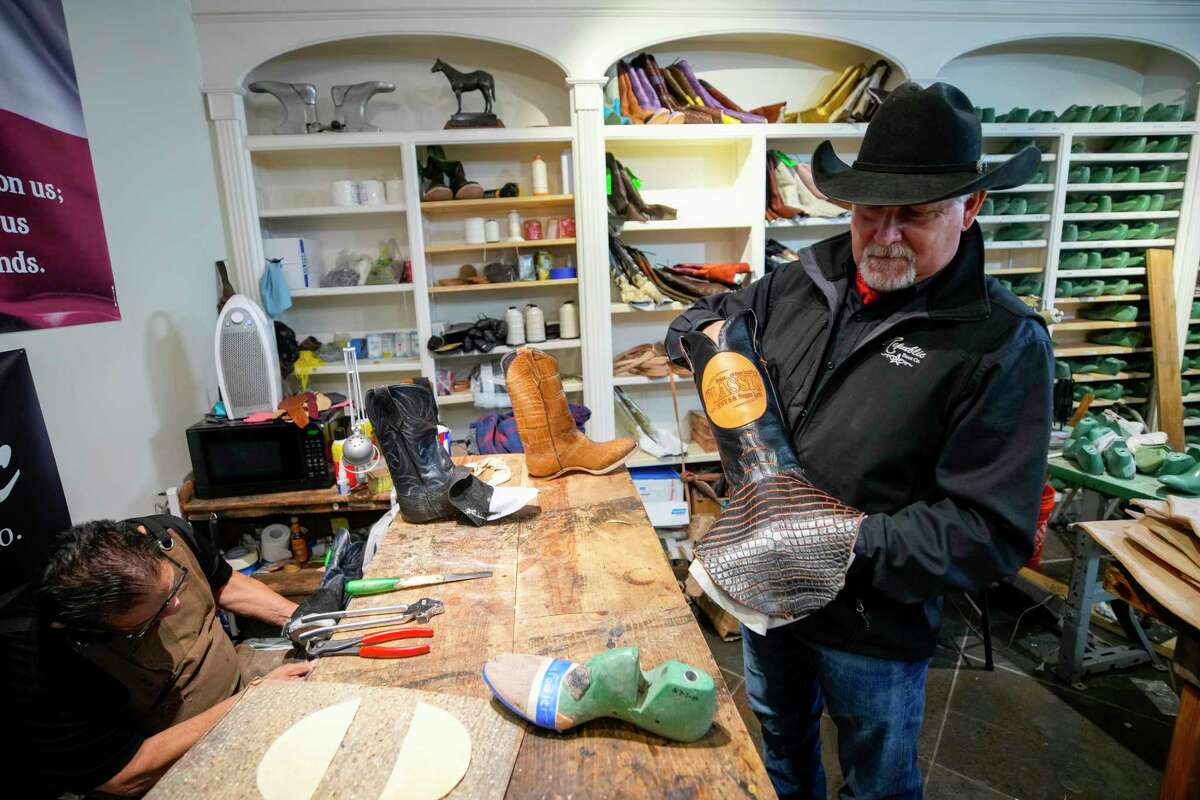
(364, 646)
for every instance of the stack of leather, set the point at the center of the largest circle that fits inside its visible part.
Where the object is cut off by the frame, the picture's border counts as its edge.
(649, 360)
(643, 93)
(480, 336)
(854, 97)
(792, 193)
(640, 282)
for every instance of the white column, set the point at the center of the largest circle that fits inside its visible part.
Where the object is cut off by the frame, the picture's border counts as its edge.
(228, 115)
(591, 209)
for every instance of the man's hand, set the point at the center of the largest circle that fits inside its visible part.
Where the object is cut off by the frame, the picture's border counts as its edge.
(713, 330)
(295, 671)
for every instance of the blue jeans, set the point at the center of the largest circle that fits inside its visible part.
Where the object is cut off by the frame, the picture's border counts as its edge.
(876, 703)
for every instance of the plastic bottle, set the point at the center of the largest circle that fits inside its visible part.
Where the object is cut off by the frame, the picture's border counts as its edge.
(568, 321)
(535, 324)
(299, 546)
(541, 184)
(516, 327)
(567, 182)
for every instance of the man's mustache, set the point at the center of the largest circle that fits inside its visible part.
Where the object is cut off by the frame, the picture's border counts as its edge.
(890, 251)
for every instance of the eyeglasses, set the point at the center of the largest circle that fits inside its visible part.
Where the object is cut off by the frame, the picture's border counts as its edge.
(142, 629)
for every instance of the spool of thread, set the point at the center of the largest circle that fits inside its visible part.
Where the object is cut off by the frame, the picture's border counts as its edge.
(568, 321)
(516, 327)
(533, 230)
(345, 193)
(394, 191)
(491, 230)
(370, 193)
(541, 184)
(514, 226)
(565, 161)
(475, 230)
(276, 543)
(535, 324)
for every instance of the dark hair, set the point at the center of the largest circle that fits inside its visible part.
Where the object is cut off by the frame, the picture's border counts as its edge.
(98, 569)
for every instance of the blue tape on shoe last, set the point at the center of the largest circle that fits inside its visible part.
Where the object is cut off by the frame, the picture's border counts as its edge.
(546, 711)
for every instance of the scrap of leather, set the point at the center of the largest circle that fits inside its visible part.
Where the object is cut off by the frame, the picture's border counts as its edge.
(781, 546)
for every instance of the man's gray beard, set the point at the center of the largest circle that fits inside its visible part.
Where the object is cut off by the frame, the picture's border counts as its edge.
(887, 280)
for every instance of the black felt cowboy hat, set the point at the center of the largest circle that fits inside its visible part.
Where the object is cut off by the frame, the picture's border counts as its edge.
(922, 145)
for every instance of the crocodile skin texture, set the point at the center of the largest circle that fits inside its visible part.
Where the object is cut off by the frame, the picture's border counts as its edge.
(428, 484)
(782, 546)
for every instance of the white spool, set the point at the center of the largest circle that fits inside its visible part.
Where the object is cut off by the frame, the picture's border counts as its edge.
(491, 230)
(568, 321)
(535, 324)
(514, 227)
(516, 327)
(394, 191)
(474, 230)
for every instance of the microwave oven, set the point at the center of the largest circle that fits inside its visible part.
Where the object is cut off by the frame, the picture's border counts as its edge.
(236, 458)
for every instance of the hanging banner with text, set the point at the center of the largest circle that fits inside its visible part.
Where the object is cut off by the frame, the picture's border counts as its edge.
(54, 264)
(33, 508)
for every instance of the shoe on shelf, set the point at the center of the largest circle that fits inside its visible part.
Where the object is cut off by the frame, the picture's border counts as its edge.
(1117, 287)
(1118, 461)
(1106, 114)
(1136, 261)
(1116, 261)
(1001, 204)
(1041, 117)
(1130, 174)
(1171, 204)
(1195, 314)
(1070, 232)
(1017, 116)
(1167, 144)
(1156, 174)
(1150, 230)
(1193, 337)
(1118, 338)
(1029, 287)
(1128, 144)
(708, 99)
(1017, 206)
(1102, 175)
(455, 174)
(1110, 234)
(1072, 259)
(1103, 203)
(1132, 114)
(1164, 113)
(1138, 203)
(1041, 176)
(1092, 288)
(1158, 202)
(1112, 313)
(1081, 174)
(1079, 146)
(1036, 206)
(836, 96)
(1175, 173)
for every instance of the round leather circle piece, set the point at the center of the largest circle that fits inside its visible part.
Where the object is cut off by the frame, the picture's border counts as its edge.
(733, 390)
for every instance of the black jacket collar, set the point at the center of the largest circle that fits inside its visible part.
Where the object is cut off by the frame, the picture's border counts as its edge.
(957, 292)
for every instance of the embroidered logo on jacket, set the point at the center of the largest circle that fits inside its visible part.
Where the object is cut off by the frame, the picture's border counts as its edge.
(901, 354)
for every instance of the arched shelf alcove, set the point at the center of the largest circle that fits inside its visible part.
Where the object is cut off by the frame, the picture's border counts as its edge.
(760, 68)
(1054, 73)
(531, 89)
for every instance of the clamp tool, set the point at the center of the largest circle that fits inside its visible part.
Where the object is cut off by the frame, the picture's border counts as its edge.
(367, 646)
(322, 625)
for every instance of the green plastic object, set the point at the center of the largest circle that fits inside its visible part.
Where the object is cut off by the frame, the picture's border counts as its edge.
(674, 700)
(1177, 463)
(1150, 460)
(1118, 461)
(1088, 459)
(1184, 483)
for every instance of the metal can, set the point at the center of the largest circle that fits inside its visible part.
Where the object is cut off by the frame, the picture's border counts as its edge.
(542, 262)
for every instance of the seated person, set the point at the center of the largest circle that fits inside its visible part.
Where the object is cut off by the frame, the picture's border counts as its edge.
(117, 663)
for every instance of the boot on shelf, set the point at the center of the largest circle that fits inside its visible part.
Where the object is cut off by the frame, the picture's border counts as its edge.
(655, 211)
(654, 76)
(677, 83)
(630, 106)
(698, 88)
(618, 201)
(428, 485)
(775, 202)
(462, 188)
(433, 183)
(648, 97)
(833, 98)
(553, 445)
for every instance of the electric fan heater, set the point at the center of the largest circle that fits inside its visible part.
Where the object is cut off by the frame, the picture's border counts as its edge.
(247, 359)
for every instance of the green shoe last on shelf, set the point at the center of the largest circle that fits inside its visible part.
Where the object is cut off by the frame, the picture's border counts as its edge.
(988, 208)
(1088, 459)
(1112, 312)
(1130, 174)
(1078, 146)
(1028, 287)
(1128, 144)
(1118, 338)
(1156, 174)
(1118, 461)
(1167, 144)
(1101, 175)
(1183, 483)
(1117, 287)
(986, 114)
(1111, 365)
(1036, 207)
(1062, 369)
(1093, 288)
(1177, 463)
(1106, 114)
(1080, 174)
(1019, 205)
(1073, 259)
(1070, 232)
(1132, 114)
(1193, 337)
(1149, 459)
(1136, 261)
(1018, 232)
(1041, 116)
(1117, 261)
(1075, 207)
(1137, 203)
(1158, 202)
(1150, 230)
(1195, 313)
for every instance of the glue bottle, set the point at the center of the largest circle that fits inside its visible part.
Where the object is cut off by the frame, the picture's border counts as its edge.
(299, 546)
(541, 184)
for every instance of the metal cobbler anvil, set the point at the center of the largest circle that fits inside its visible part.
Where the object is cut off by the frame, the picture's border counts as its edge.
(299, 101)
(350, 104)
(673, 700)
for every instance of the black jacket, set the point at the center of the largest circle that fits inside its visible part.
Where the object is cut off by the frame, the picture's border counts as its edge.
(936, 425)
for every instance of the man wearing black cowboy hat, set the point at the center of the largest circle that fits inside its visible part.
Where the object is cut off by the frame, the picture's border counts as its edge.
(916, 390)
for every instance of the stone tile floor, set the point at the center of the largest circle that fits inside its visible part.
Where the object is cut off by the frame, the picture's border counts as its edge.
(1016, 732)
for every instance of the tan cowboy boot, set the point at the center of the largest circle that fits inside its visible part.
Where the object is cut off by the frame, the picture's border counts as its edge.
(553, 445)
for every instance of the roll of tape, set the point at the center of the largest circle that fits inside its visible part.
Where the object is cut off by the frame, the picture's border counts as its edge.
(276, 542)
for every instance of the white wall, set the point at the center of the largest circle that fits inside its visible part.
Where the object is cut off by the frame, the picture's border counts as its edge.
(118, 396)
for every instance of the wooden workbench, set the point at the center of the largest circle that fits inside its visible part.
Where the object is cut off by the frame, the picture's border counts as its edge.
(584, 573)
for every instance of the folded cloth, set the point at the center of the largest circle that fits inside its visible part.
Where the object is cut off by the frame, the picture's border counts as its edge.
(497, 433)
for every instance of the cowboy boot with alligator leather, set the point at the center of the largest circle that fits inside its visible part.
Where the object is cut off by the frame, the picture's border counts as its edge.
(553, 445)
(428, 485)
(782, 546)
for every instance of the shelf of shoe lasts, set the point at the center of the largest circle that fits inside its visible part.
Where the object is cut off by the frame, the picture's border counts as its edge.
(1082, 158)
(642, 380)
(1191, 398)
(673, 307)
(1119, 215)
(684, 225)
(1128, 401)
(1132, 244)
(1002, 218)
(334, 141)
(1096, 325)
(1165, 186)
(506, 286)
(1029, 187)
(808, 222)
(374, 365)
(1099, 272)
(1097, 350)
(1098, 298)
(464, 247)
(1100, 377)
(468, 398)
(1014, 271)
(501, 349)
(1027, 244)
(328, 211)
(487, 204)
(694, 454)
(342, 291)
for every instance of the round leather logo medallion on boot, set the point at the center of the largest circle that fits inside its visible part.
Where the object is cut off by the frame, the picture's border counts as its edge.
(733, 391)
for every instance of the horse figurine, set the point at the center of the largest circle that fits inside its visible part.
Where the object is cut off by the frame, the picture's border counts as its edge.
(468, 82)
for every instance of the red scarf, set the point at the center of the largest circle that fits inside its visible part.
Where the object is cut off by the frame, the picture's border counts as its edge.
(867, 294)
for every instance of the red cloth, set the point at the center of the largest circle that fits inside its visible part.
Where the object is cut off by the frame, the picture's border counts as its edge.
(867, 294)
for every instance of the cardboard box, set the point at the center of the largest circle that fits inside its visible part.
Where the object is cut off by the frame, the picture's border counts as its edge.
(661, 491)
(299, 263)
(724, 623)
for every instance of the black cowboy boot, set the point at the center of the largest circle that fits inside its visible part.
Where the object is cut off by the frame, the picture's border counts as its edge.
(428, 485)
(462, 188)
(782, 546)
(433, 183)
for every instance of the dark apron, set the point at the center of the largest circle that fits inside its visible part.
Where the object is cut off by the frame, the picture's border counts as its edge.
(185, 665)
